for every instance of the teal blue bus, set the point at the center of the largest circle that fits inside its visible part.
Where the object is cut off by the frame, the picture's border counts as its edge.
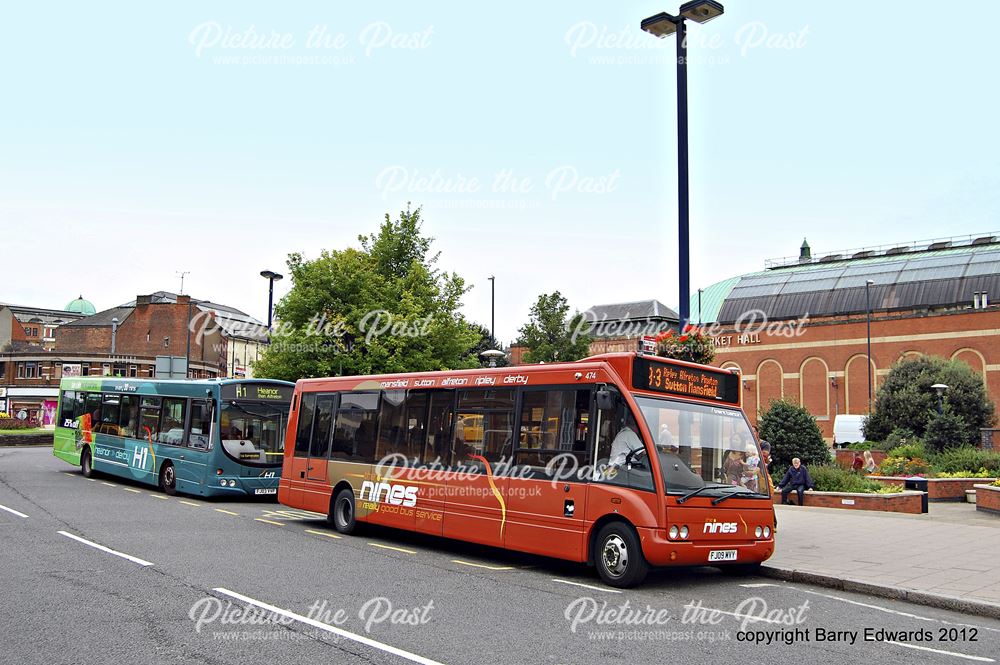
(206, 437)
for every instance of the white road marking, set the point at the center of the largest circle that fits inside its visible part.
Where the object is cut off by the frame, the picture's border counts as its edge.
(261, 519)
(481, 565)
(981, 659)
(189, 503)
(129, 489)
(108, 484)
(587, 586)
(396, 549)
(133, 559)
(330, 629)
(757, 586)
(908, 615)
(13, 512)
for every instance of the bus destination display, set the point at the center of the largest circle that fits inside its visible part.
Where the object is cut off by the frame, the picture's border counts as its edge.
(688, 381)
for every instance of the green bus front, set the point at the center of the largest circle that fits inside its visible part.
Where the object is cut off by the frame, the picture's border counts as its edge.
(204, 437)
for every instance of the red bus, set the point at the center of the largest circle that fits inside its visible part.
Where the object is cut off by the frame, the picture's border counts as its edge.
(624, 461)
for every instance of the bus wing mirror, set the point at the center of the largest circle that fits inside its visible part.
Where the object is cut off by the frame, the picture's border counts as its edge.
(606, 399)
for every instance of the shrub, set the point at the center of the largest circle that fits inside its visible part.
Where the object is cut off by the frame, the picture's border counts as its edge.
(909, 450)
(14, 424)
(963, 459)
(792, 432)
(832, 478)
(900, 436)
(996, 482)
(945, 430)
(882, 446)
(901, 466)
(906, 399)
(889, 489)
(982, 473)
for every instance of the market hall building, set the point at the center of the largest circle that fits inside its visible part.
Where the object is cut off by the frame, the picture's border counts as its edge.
(798, 329)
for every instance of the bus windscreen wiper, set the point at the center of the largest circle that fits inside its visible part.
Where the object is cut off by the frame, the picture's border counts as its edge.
(722, 498)
(699, 491)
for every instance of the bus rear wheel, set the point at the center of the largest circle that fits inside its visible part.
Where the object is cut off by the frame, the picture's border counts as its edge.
(168, 479)
(86, 464)
(342, 512)
(619, 557)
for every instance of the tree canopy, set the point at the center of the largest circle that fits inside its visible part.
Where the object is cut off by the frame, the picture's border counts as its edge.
(792, 432)
(906, 400)
(382, 308)
(551, 334)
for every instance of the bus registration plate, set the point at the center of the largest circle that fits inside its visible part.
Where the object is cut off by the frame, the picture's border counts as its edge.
(722, 555)
(271, 490)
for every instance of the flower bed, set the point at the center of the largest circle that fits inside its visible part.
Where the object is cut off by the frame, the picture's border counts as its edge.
(938, 489)
(988, 498)
(898, 502)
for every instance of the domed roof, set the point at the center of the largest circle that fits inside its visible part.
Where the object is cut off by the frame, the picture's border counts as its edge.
(81, 306)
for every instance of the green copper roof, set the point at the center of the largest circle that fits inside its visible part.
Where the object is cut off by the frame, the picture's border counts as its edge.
(81, 306)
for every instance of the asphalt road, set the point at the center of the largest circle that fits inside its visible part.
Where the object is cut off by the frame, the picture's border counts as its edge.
(189, 581)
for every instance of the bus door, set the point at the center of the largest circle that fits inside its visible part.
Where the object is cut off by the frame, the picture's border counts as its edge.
(547, 492)
(317, 477)
(430, 475)
(476, 498)
(294, 469)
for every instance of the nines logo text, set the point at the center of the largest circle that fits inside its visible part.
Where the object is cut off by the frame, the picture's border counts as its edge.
(396, 495)
(720, 527)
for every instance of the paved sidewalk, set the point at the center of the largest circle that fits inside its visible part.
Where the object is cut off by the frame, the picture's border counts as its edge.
(949, 557)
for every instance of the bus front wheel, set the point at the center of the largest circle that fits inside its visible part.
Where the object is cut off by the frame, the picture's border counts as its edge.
(86, 464)
(168, 479)
(619, 557)
(344, 519)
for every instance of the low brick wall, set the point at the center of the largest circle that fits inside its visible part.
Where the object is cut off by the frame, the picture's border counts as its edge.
(988, 499)
(900, 502)
(939, 489)
(845, 458)
(43, 439)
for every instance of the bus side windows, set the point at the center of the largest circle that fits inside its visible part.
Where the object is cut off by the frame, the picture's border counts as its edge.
(149, 418)
(554, 424)
(201, 425)
(303, 432)
(617, 436)
(67, 406)
(438, 438)
(93, 409)
(128, 414)
(484, 426)
(355, 429)
(172, 421)
(401, 423)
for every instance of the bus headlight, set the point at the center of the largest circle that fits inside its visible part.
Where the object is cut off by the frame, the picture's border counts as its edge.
(232, 483)
(759, 531)
(673, 532)
(223, 482)
(767, 532)
(684, 532)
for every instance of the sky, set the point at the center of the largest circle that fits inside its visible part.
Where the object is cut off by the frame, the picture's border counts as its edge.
(138, 141)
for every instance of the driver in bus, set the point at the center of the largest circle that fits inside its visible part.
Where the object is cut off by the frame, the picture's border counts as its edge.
(626, 441)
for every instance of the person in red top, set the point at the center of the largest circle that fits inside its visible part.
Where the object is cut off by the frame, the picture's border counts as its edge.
(858, 464)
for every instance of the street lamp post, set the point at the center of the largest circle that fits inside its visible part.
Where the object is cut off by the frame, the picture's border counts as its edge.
(493, 310)
(868, 311)
(271, 278)
(663, 25)
(940, 388)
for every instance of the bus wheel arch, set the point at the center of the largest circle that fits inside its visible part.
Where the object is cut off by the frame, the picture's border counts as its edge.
(343, 514)
(168, 477)
(86, 463)
(616, 551)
